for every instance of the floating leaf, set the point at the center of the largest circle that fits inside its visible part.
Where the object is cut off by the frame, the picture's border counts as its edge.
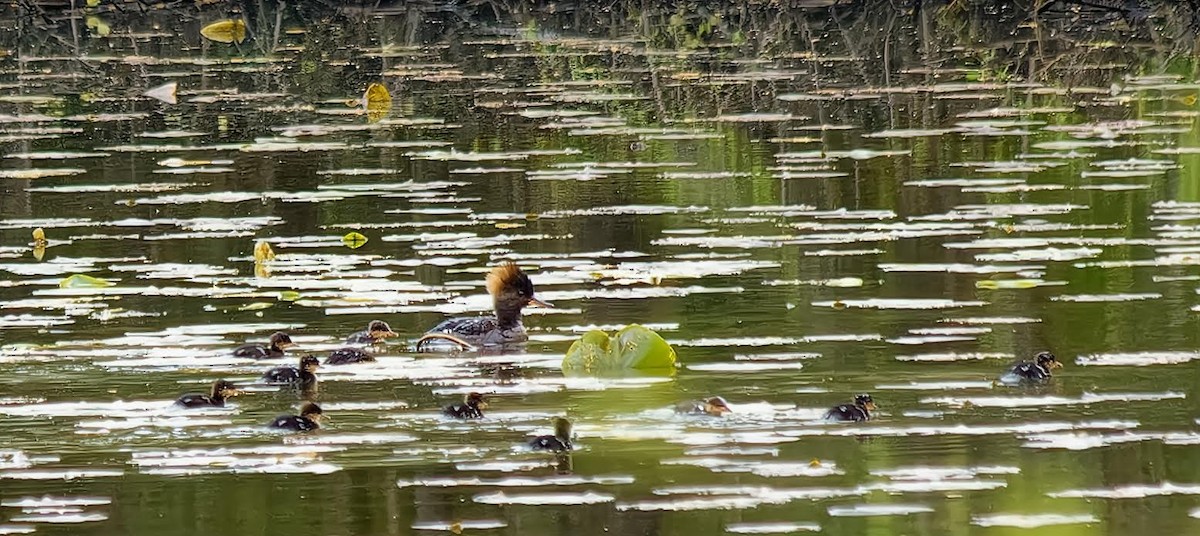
(83, 281)
(98, 25)
(377, 101)
(354, 240)
(288, 295)
(225, 31)
(39, 236)
(256, 306)
(263, 251)
(633, 348)
(165, 92)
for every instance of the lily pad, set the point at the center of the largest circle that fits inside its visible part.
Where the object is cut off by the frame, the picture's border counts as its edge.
(633, 348)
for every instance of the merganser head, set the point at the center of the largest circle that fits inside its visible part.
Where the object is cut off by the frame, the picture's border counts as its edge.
(311, 412)
(864, 401)
(281, 340)
(310, 363)
(224, 389)
(380, 330)
(511, 290)
(1047, 361)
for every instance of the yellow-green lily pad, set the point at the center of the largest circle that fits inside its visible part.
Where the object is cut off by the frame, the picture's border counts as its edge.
(633, 348)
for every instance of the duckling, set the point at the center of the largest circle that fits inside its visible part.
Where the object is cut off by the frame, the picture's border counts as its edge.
(309, 419)
(278, 342)
(511, 291)
(220, 391)
(302, 376)
(559, 442)
(715, 406)
(860, 410)
(348, 355)
(377, 331)
(1037, 370)
(471, 408)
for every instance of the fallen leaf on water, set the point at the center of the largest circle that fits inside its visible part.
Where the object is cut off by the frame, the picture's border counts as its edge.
(377, 101)
(289, 295)
(263, 252)
(256, 306)
(83, 281)
(39, 237)
(354, 240)
(225, 31)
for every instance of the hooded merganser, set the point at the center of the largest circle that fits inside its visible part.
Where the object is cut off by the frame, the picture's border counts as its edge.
(221, 390)
(275, 347)
(860, 410)
(715, 406)
(302, 376)
(309, 419)
(377, 331)
(1033, 371)
(346, 356)
(559, 442)
(471, 408)
(511, 291)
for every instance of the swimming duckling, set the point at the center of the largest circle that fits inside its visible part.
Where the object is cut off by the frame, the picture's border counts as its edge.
(471, 408)
(377, 331)
(511, 291)
(1032, 371)
(348, 355)
(559, 442)
(715, 406)
(220, 391)
(309, 419)
(275, 347)
(302, 376)
(860, 410)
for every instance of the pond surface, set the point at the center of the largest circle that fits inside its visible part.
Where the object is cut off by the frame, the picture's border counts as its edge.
(803, 219)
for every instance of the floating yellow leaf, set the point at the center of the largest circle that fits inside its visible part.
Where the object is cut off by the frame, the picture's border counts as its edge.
(456, 527)
(990, 284)
(256, 306)
(262, 270)
(225, 31)
(39, 237)
(93, 3)
(377, 101)
(99, 26)
(263, 251)
(39, 252)
(509, 225)
(354, 240)
(288, 295)
(83, 281)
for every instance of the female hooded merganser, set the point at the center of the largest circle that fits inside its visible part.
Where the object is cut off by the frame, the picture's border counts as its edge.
(302, 376)
(559, 442)
(715, 406)
(275, 347)
(346, 356)
(221, 390)
(511, 291)
(860, 410)
(471, 408)
(309, 419)
(377, 331)
(1032, 371)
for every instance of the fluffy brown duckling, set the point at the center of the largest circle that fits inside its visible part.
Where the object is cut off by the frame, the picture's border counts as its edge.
(471, 408)
(559, 442)
(715, 406)
(221, 391)
(859, 411)
(309, 419)
(347, 356)
(377, 332)
(302, 376)
(1038, 370)
(275, 346)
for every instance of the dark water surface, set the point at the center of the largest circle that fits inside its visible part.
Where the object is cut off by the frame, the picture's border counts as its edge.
(807, 205)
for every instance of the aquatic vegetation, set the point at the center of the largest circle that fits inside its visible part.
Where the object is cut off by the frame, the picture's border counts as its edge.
(633, 348)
